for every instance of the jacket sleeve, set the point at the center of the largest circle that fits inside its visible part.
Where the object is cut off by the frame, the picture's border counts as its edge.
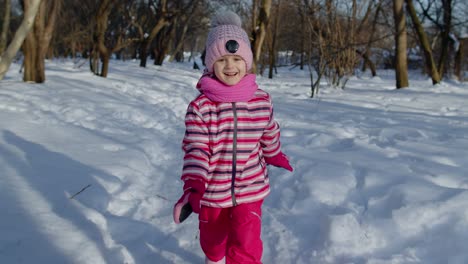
(270, 140)
(196, 146)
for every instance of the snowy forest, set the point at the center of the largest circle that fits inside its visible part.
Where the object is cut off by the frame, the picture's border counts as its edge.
(333, 39)
(93, 96)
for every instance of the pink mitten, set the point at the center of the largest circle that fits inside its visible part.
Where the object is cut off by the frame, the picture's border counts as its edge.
(279, 160)
(189, 201)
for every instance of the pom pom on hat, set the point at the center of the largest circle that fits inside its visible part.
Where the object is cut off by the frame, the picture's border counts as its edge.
(226, 18)
(227, 38)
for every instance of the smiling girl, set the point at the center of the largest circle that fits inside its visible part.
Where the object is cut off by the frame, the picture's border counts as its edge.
(230, 137)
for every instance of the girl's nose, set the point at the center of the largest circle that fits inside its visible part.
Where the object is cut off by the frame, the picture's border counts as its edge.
(229, 63)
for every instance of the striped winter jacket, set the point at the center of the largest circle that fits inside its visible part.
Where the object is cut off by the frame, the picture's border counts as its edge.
(224, 146)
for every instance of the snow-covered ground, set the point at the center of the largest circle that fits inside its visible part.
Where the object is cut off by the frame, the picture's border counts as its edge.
(89, 169)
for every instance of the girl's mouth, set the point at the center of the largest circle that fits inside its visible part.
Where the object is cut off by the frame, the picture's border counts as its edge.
(230, 74)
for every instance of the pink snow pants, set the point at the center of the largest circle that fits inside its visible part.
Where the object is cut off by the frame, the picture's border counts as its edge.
(233, 233)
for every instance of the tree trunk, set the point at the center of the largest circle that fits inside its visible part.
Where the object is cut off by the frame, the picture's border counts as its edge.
(447, 17)
(20, 35)
(303, 39)
(34, 68)
(424, 42)
(164, 41)
(105, 58)
(100, 51)
(401, 62)
(94, 60)
(143, 53)
(180, 41)
(32, 65)
(366, 54)
(272, 55)
(160, 24)
(260, 31)
(5, 27)
(367, 62)
(458, 67)
(176, 53)
(37, 42)
(154, 32)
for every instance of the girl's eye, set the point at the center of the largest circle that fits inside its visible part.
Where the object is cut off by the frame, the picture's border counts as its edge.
(237, 59)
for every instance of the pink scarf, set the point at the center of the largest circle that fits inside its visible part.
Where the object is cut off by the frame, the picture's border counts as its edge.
(219, 92)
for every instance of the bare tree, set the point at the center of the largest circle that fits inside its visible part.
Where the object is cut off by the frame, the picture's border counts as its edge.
(273, 33)
(333, 48)
(459, 56)
(152, 18)
(5, 26)
(341, 37)
(424, 43)
(164, 40)
(37, 42)
(107, 43)
(100, 51)
(371, 29)
(73, 37)
(171, 38)
(446, 29)
(186, 15)
(259, 28)
(448, 20)
(21, 33)
(401, 64)
(315, 52)
(302, 15)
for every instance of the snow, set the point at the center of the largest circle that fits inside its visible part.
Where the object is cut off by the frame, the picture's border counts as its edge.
(90, 166)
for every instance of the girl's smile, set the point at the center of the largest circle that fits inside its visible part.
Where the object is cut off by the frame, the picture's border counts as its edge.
(230, 69)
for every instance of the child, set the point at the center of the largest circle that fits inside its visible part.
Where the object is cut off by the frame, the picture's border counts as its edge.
(230, 137)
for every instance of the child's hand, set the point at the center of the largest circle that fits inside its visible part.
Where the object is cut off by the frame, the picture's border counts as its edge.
(189, 201)
(280, 160)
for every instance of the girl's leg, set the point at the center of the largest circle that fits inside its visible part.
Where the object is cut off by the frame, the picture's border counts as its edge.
(208, 261)
(244, 244)
(214, 230)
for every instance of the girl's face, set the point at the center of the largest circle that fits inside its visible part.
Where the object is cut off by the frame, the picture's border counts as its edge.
(230, 69)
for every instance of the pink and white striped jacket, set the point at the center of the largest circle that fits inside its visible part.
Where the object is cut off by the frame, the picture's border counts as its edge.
(225, 145)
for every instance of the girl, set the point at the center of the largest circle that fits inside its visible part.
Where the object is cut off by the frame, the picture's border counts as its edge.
(230, 137)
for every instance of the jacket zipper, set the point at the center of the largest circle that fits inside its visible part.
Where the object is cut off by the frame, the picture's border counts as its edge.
(234, 156)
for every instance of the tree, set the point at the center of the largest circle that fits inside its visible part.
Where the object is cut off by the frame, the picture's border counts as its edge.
(401, 63)
(424, 43)
(21, 33)
(446, 29)
(37, 42)
(303, 37)
(75, 37)
(332, 51)
(448, 18)
(259, 28)
(163, 41)
(342, 35)
(273, 42)
(106, 43)
(459, 56)
(365, 54)
(5, 26)
(152, 17)
(315, 53)
(171, 34)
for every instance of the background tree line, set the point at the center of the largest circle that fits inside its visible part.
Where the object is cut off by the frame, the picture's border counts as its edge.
(332, 39)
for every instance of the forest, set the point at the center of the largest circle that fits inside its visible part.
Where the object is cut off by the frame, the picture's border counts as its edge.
(332, 39)
(93, 100)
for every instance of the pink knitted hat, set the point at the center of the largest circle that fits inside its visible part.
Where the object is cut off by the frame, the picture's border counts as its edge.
(227, 38)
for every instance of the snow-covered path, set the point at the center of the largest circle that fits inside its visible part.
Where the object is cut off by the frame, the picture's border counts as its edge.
(380, 174)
